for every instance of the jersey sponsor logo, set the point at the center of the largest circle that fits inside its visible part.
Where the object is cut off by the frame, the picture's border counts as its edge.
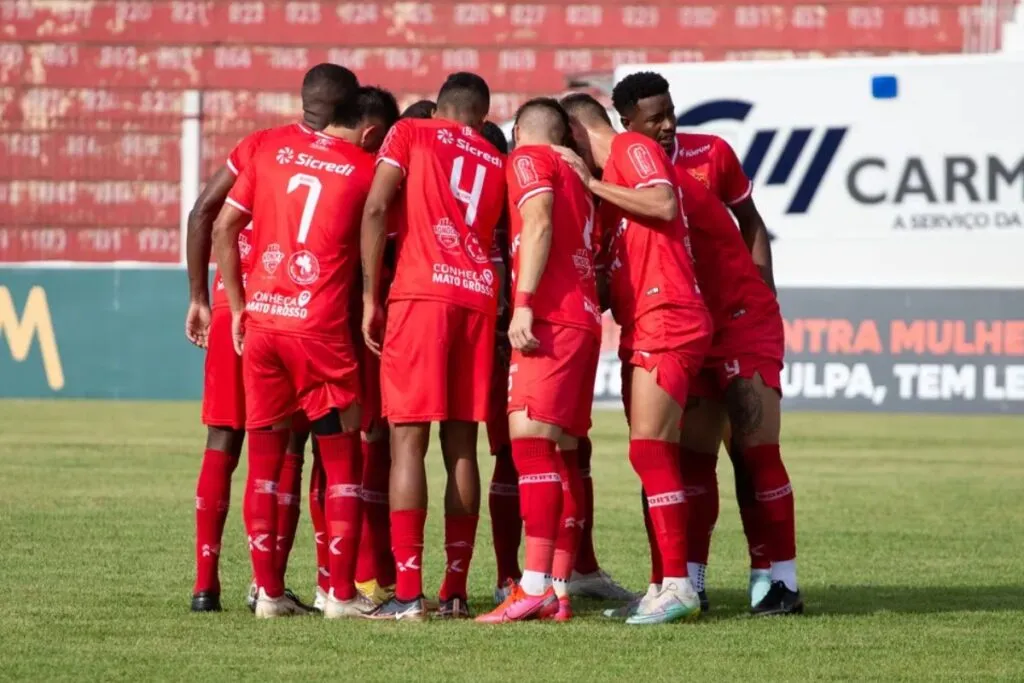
(781, 173)
(447, 235)
(474, 251)
(271, 258)
(584, 263)
(285, 155)
(34, 323)
(464, 278)
(445, 136)
(279, 305)
(311, 162)
(303, 268)
(489, 276)
(244, 248)
(526, 172)
(643, 162)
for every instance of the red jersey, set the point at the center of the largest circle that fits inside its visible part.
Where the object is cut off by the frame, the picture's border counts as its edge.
(649, 261)
(306, 195)
(237, 162)
(731, 283)
(710, 159)
(567, 291)
(453, 196)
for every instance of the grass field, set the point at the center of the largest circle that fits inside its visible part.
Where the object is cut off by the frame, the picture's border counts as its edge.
(909, 529)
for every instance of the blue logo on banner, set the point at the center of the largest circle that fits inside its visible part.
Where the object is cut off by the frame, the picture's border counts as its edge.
(821, 158)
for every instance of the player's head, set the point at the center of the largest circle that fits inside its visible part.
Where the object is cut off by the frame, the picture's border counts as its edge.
(424, 109)
(377, 112)
(324, 88)
(541, 121)
(645, 105)
(493, 134)
(464, 98)
(586, 115)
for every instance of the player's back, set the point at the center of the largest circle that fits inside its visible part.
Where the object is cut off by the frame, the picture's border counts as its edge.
(567, 291)
(729, 280)
(712, 161)
(649, 261)
(452, 198)
(306, 194)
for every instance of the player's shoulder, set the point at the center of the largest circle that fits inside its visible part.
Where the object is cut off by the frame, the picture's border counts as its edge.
(701, 144)
(532, 165)
(636, 147)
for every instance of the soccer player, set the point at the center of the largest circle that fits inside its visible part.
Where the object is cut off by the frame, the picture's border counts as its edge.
(223, 395)
(666, 330)
(423, 109)
(741, 376)
(555, 334)
(305, 194)
(439, 342)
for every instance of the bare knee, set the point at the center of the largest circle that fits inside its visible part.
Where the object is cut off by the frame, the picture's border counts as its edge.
(755, 412)
(520, 426)
(225, 440)
(458, 440)
(409, 440)
(703, 422)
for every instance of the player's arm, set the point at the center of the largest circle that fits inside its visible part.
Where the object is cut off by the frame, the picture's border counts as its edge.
(229, 223)
(534, 248)
(755, 234)
(373, 237)
(198, 240)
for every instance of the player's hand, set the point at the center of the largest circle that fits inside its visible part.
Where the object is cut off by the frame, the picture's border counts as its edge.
(372, 318)
(520, 330)
(576, 162)
(197, 323)
(238, 330)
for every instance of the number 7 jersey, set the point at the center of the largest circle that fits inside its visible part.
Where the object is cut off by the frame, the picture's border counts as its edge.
(454, 192)
(306, 195)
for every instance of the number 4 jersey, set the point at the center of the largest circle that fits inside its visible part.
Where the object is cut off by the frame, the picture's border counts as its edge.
(306, 195)
(454, 192)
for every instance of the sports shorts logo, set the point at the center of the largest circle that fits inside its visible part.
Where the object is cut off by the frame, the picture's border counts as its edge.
(445, 136)
(642, 160)
(447, 235)
(303, 268)
(285, 155)
(272, 258)
(473, 249)
(526, 172)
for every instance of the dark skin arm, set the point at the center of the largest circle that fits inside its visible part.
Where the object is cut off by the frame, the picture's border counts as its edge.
(659, 202)
(373, 234)
(755, 234)
(229, 223)
(198, 241)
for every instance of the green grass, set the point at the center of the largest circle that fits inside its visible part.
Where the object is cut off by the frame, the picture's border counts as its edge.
(910, 546)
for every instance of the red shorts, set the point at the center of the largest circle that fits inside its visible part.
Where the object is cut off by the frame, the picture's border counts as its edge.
(223, 388)
(555, 383)
(746, 346)
(436, 362)
(672, 341)
(369, 380)
(285, 374)
(497, 409)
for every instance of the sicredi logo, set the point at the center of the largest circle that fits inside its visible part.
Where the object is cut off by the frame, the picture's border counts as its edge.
(807, 186)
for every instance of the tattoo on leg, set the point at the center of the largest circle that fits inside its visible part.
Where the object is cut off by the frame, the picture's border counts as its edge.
(746, 412)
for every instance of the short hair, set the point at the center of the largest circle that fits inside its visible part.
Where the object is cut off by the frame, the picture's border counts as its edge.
(423, 109)
(584, 107)
(378, 103)
(635, 87)
(465, 92)
(326, 88)
(548, 109)
(493, 134)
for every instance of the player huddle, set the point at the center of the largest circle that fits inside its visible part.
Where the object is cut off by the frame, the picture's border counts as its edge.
(380, 273)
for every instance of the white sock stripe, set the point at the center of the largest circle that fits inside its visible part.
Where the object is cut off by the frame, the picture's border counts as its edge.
(345, 491)
(545, 478)
(268, 486)
(510, 490)
(287, 499)
(663, 499)
(774, 494)
(374, 497)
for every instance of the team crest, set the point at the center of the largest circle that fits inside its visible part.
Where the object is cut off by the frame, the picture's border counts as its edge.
(285, 155)
(447, 235)
(303, 268)
(526, 172)
(473, 249)
(272, 258)
(642, 161)
(700, 174)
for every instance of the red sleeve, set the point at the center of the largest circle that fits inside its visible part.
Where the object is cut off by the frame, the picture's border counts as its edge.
(529, 174)
(397, 144)
(244, 151)
(734, 186)
(642, 162)
(244, 189)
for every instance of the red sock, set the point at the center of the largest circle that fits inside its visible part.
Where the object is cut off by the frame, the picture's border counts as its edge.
(657, 575)
(375, 558)
(344, 467)
(407, 544)
(266, 455)
(702, 497)
(213, 494)
(774, 494)
(657, 464)
(459, 536)
(540, 496)
(506, 524)
(586, 559)
(754, 527)
(289, 497)
(317, 496)
(568, 540)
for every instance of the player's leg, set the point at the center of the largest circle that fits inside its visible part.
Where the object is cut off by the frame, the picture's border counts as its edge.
(754, 528)
(701, 434)
(289, 495)
(570, 526)
(317, 499)
(375, 570)
(503, 495)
